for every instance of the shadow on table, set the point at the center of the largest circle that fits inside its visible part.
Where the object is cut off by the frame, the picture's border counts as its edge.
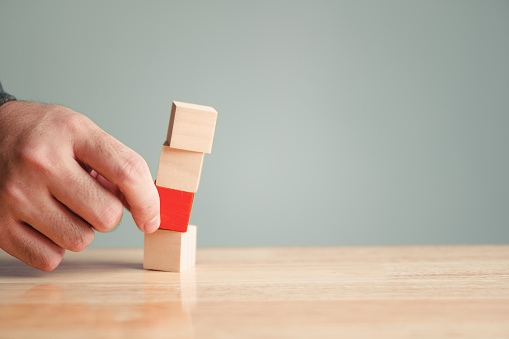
(11, 267)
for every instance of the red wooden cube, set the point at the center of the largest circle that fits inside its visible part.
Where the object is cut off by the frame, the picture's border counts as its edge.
(175, 208)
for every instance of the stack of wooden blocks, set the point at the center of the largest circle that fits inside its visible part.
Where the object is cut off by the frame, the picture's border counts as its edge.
(190, 134)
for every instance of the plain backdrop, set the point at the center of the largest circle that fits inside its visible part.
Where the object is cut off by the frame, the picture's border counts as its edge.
(340, 122)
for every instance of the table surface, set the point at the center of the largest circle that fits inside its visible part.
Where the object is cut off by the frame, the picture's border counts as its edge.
(350, 292)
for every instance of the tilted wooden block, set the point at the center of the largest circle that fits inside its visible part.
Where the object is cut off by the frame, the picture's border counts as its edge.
(170, 251)
(175, 208)
(179, 169)
(191, 127)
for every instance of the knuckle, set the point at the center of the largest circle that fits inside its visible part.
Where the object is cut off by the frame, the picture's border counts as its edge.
(78, 242)
(36, 157)
(110, 216)
(56, 111)
(73, 122)
(66, 119)
(132, 169)
(13, 193)
(48, 262)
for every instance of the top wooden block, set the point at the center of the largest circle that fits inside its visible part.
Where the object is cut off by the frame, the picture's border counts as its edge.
(191, 127)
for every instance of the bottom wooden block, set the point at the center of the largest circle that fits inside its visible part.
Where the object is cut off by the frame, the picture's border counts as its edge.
(171, 251)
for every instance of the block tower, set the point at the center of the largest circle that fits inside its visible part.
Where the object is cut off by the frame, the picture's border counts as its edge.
(190, 134)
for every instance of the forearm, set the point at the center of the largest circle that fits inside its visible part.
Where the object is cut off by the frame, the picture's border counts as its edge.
(5, 97)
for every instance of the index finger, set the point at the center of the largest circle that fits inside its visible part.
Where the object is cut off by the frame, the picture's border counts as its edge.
(125, 168)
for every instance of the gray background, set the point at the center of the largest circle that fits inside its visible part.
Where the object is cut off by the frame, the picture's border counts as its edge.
(340, 122)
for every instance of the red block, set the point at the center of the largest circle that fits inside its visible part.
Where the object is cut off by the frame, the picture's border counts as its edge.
(175, 208)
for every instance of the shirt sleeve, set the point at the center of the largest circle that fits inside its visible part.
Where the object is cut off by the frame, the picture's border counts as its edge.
(5, 97)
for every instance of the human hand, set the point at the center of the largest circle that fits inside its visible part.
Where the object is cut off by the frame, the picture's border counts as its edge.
(61, 178)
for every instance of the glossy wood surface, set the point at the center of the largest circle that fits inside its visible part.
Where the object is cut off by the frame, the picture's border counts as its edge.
(357, 292)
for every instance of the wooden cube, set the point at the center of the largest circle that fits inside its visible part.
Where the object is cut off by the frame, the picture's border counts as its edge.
(179, 169)
(175, 207)
(191, 127)
(170, 251)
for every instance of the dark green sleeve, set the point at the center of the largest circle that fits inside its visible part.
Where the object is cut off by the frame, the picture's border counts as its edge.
(4, 97)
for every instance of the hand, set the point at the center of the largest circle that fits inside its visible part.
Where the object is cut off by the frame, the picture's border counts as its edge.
(61, 178)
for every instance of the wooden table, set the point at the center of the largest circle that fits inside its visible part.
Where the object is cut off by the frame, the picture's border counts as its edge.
(348, 292)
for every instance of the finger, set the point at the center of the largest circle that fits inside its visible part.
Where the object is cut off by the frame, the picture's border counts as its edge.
(103, 181)
(28, 245)
(111, 187)
(83, 195)
(58, 223)
(128, 170)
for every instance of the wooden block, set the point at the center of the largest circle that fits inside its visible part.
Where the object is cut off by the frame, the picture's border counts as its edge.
(175, 208)
(191, 127)
(179, 169)
(170, 251)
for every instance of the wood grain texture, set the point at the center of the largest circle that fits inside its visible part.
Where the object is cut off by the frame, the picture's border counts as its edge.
(169, 250)
(191, 127)
(179, 169)
(357, 292)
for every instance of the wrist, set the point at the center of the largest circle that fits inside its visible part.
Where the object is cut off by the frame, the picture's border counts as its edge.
(6, 97)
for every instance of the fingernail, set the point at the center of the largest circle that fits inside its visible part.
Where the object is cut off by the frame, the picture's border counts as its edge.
(153, 224)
